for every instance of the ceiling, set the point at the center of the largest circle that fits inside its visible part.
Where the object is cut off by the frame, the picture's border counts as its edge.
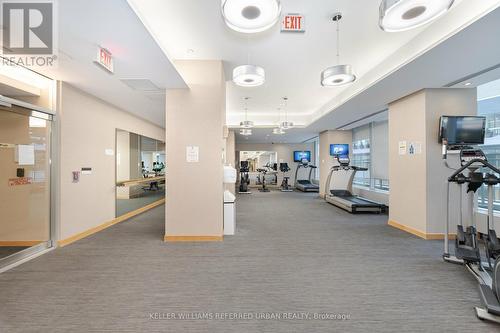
(293, 62)
(144, 35)
(112, 24)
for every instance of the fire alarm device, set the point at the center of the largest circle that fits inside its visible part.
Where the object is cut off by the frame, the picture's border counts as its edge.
(76, 176)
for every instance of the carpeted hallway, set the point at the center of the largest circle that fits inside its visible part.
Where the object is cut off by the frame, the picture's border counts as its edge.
(292, 253)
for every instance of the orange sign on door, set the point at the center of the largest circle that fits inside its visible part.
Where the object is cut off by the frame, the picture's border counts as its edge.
(20, 181)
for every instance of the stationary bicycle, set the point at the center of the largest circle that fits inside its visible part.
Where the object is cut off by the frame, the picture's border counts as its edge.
(285, 186)
(264, 188)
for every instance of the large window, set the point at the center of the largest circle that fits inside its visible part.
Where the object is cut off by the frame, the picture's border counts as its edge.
(489, 106)
(370, 150)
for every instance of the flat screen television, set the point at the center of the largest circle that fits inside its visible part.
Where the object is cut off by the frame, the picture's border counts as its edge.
(462, 130)
(298, 156)
(340, 150)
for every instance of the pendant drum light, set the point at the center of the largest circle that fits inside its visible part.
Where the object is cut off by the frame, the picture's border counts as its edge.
(340, 74)
(286, 124)
(246, 131)
(250, 16)
(249, 76)
(246, 124)
(402, 15)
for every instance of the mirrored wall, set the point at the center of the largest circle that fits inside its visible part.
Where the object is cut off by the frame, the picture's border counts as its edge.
(140, 171)
(258, 160)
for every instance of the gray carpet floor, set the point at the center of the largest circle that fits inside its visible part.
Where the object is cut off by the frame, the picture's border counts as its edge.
(292, 253)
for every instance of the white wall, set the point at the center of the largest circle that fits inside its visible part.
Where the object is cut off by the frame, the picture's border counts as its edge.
(87, 127)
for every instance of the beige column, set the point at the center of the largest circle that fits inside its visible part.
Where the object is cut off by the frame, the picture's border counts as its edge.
(417, 196)
(327, 138)
(195, 118)
(231, 157)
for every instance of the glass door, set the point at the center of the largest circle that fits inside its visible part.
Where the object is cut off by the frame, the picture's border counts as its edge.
(25, 142)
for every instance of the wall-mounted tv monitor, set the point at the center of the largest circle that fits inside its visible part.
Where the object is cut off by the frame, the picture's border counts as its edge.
(340, 150)
(462, 130)
(298, 156)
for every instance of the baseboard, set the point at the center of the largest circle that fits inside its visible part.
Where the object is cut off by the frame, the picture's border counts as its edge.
(193, 238)
(108, 224)
(19, 243)
(418, 233)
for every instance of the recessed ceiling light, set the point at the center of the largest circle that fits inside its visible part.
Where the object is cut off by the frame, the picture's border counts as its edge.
(249, 76)
(401, 15)
(467, 84)
(250, 16)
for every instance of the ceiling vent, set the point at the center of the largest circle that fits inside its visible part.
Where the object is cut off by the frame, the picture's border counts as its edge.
(143, 85)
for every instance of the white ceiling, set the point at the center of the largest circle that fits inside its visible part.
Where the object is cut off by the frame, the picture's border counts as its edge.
(85, 25)
(193, 29)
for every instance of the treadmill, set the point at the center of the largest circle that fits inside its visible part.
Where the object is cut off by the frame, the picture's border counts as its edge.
(339, 190)
(305, 185)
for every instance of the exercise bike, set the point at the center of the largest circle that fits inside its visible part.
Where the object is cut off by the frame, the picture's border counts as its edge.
(467, 250)
(285, 186)
(264, 188)
(244, 178)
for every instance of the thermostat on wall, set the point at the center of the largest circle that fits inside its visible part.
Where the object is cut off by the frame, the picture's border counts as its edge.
(86, 171)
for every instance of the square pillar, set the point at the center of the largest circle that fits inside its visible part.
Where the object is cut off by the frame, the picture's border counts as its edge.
(196, 118)
(417, 195)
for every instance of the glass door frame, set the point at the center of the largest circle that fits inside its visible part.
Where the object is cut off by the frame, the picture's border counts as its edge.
(29, 110)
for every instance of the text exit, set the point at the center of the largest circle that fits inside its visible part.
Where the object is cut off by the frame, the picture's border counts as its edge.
(293, 23)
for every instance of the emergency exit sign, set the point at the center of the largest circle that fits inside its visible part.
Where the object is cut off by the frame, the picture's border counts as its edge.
(105, 59)
(293, 23)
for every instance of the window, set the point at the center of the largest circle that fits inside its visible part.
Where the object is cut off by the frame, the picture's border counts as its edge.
(370, 150)
(489, 106)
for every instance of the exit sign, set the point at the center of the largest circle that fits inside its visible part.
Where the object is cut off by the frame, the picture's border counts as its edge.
(105, 59)
(293, 23)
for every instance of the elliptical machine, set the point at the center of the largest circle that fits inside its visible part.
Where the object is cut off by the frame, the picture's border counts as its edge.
(467, 251)
(244, 178)
(285, 186)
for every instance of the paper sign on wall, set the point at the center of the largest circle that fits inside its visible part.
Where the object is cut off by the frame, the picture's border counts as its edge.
(25, 154)
(192, 154)
(402, 147)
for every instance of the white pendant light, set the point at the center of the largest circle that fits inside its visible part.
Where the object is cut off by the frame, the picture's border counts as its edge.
(250, 16)
(340, 74)
(284, 125)
(245, 131)
(249, 76)
(401, 15)
(246, 123)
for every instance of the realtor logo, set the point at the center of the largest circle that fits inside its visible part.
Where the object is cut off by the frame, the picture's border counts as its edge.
(29, 30)
(28, 27)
